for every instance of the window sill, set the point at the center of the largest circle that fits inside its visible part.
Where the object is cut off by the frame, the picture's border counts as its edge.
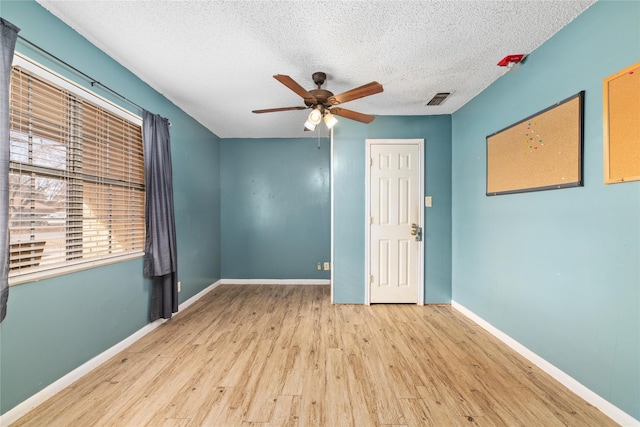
(27, 277)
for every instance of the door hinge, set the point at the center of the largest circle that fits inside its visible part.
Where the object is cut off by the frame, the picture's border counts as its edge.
(370, 220)
(370, 161)
(371, 278)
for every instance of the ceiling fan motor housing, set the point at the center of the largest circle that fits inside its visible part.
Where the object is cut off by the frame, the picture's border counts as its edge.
(321, 97)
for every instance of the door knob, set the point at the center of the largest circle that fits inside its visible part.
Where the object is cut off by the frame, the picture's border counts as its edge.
(416, 231)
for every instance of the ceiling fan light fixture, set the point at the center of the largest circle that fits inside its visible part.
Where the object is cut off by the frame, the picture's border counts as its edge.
(309, 126)
(330, 120)
(315, 116)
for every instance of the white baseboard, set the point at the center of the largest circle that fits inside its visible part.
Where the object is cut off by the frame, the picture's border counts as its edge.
(606, 407)
(275, 281)
(199, 295)
(23, 408)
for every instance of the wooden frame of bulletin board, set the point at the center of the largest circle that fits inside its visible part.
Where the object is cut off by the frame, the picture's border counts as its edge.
(540, 152)
(622, 125)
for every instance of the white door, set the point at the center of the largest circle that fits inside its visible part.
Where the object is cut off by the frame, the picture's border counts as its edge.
(395, 197)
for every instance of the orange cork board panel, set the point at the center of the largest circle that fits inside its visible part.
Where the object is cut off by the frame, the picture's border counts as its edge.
(541, 152)
(622, 125)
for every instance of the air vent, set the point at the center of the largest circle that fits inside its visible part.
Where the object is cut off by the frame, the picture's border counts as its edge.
(439, 98)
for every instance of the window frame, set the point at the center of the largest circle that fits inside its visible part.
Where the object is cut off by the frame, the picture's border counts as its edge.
(71, 266)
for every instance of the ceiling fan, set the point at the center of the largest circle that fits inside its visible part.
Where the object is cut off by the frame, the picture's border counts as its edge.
(323, 103)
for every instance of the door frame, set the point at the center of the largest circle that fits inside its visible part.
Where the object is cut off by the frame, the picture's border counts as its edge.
(367, 216)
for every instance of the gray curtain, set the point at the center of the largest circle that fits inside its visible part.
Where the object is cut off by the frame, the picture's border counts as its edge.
(7, 46)
(161, 257)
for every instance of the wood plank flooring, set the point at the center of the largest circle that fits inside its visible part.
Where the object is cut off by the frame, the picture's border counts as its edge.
(285, 356)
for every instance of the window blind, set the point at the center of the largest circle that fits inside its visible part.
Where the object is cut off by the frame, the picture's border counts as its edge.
(76, 181)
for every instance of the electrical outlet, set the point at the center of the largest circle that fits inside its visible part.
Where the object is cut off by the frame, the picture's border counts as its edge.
(319, 267)
(327, 266)
(178, 286)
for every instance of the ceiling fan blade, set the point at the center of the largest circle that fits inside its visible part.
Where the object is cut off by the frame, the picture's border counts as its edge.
(273, 110)
(294, 86)
(353, 115)
(359, 92)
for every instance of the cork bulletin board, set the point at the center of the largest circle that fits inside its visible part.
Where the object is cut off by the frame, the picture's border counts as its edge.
(540, 152)
(622, 125)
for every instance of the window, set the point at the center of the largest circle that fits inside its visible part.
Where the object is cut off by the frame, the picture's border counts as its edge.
(76, 177)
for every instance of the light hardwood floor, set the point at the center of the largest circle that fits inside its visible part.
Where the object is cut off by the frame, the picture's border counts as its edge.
(284, 356)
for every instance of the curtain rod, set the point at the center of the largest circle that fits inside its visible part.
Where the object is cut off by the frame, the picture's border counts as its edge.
(93, 81)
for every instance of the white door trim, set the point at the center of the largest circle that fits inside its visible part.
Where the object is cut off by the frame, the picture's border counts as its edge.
(331, 198)
(367, 216)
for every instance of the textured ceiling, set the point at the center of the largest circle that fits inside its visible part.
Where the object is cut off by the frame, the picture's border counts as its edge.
(216, 59)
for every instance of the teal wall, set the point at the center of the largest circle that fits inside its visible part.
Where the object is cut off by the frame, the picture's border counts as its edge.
(55, 325)
(559, 271)
(349, 202)
(276, 208)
